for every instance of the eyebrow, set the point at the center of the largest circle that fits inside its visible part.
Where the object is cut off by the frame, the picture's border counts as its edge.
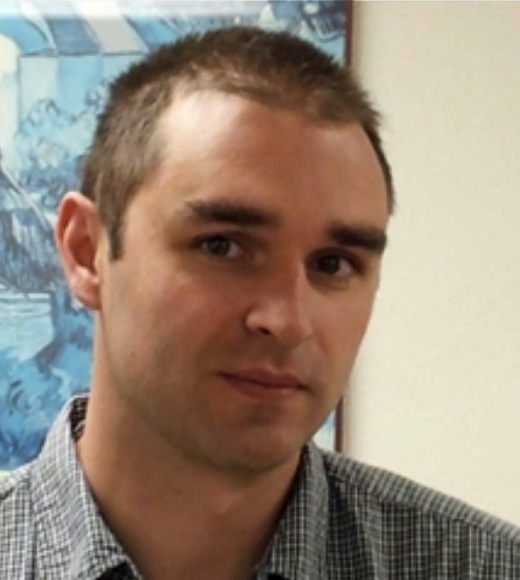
(372, 239)
(369, 238)
(227, 212)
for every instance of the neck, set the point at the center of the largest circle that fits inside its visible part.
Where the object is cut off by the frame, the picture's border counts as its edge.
(177, 518)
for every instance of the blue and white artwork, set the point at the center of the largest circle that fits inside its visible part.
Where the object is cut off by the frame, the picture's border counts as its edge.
(57, 58)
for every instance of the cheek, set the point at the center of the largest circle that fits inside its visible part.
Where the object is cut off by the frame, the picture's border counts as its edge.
(345, 331)
(187, 310)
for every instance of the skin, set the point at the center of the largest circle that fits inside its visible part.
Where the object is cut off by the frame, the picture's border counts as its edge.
(228, 266)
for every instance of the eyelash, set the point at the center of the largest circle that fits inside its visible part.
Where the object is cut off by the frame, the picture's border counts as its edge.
(352, 261)
(202, 242)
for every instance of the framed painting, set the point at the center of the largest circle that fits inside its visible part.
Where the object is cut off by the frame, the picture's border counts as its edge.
(56, 60)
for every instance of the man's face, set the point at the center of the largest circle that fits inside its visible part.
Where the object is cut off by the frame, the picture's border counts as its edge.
(229, 327)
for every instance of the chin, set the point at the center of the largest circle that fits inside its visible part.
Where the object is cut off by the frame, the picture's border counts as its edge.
(268, 455)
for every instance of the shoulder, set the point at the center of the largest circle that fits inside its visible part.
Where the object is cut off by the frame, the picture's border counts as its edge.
(16, 515)
(404, 517)
(352, 482)
(15, 491)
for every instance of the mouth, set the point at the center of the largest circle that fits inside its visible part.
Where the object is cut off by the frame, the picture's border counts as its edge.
(265, 384)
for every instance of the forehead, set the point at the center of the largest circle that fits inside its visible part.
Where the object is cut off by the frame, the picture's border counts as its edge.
(218, 144)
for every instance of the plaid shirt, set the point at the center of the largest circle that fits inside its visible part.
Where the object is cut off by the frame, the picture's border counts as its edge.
(345, 521)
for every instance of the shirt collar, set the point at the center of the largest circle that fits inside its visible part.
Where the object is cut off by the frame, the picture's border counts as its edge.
(73, 535)
(298, 548)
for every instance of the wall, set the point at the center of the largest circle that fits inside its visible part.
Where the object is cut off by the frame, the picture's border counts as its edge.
(436, 393)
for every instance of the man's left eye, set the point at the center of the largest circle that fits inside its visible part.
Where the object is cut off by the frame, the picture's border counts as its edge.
(335, 265)
(221, 246)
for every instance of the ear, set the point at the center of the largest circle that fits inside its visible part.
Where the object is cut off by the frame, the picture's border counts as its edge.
(78, 238)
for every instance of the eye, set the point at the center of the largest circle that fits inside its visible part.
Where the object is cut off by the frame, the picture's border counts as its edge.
(336, 266)
(221, 246)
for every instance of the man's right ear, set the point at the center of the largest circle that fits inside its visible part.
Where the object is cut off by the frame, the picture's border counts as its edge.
(78, 238)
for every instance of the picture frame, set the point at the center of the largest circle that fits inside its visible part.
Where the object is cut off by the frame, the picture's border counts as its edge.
(56, 62)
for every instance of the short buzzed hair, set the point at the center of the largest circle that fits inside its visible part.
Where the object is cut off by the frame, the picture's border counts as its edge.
(273, 68)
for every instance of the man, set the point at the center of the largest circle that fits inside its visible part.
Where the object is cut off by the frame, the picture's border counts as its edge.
(228, 238)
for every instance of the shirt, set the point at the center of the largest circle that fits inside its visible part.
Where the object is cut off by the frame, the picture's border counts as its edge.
(344, 521)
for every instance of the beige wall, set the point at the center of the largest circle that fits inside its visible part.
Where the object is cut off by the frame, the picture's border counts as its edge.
(436, 393)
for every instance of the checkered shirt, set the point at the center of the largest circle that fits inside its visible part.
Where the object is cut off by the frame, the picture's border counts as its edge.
(345, 521)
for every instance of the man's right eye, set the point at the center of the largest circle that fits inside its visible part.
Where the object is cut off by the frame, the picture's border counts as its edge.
(221, 246)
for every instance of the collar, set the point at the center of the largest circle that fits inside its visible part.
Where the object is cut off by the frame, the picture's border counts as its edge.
(72, 534)
(298, 548)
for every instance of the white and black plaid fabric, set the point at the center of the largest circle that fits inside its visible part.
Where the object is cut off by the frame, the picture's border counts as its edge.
(345, 521)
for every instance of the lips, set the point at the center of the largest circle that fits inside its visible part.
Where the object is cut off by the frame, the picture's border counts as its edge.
(264, 381)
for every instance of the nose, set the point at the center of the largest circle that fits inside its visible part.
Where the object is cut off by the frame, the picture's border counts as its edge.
(282, 308)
